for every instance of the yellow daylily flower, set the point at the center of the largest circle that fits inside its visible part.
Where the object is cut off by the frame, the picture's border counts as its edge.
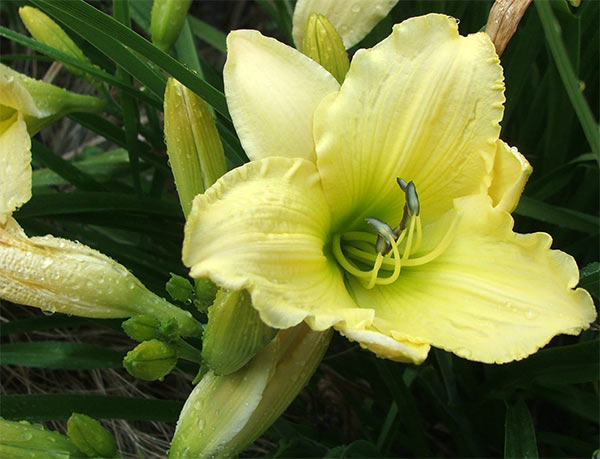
(15, 165)
(26, 106)
(40, 103)
(381, 207)
(47, 272)
(353, 19)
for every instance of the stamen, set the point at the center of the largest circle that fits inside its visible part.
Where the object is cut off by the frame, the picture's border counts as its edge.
(412, 199)
(397, 267)
(359, 246)
(408, 245)
(401, 183)
(419, 235)
(341, 259)
(358, 236)
(389, 263)
(375, 271)
(441, 247)
(385, 235)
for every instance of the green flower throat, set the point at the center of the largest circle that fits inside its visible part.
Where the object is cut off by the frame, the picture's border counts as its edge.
(355, 249)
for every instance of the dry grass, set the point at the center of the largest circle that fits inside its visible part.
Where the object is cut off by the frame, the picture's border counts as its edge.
(148, 438)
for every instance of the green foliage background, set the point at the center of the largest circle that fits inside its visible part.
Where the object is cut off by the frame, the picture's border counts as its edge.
(117, 198)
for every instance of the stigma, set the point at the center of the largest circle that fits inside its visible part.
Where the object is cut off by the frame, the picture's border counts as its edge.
(389, 249)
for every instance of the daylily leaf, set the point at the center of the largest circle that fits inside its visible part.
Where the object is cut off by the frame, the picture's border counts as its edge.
(519, 439)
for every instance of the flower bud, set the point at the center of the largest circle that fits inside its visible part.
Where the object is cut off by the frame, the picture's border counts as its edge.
(352, 19)
(90, 437)
(206, 291)
(141, 327)
(40, 103)
(324, 45)
(151, 360)
(22, 439)
(193, 144)
(46, 31)
(503, 20)
(234, 332)
(219, 407)
(180, 288)
(225, 414)
(300, 352)
(166, 21)
(57, 275)
(168, 329)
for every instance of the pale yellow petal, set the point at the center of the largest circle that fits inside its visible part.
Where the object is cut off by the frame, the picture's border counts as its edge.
(386, 347)
(57, 275)
(272, 91)
(41, 103)
(262, 227)
(15, 96)
(492, 296)
(353, 19)
(510, 174)
(15, 165)
(423, 105)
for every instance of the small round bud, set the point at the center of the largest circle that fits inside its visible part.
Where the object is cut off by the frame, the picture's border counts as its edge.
(151, 360)
(168, 329)
(180, 288)
(206, 292)
(90, 437)
(141, 327)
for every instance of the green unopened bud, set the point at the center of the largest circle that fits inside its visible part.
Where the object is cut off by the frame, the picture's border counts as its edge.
(48, 32)
(22, 439)
(90, 437)
(40, 103)
(225, 414)
(166, 21)
(206, 291)
(234, 333)
(324, 45)
(57, 275)
(141, 327)
(169, 329)
(144, 328)
(193, 144)
(151, 360)
(180, 288)
(219, 406)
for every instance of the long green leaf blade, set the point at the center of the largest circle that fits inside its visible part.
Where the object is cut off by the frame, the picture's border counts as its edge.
(60, 355)
(85, 201)
(519, 439)
(61, 406)
(208, 33)
(577, 363)
(64, 168)
(82, 17)
(568, 76)
(57, 55)
(560, 216)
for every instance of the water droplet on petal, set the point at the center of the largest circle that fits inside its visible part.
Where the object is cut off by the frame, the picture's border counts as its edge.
(531, 314)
